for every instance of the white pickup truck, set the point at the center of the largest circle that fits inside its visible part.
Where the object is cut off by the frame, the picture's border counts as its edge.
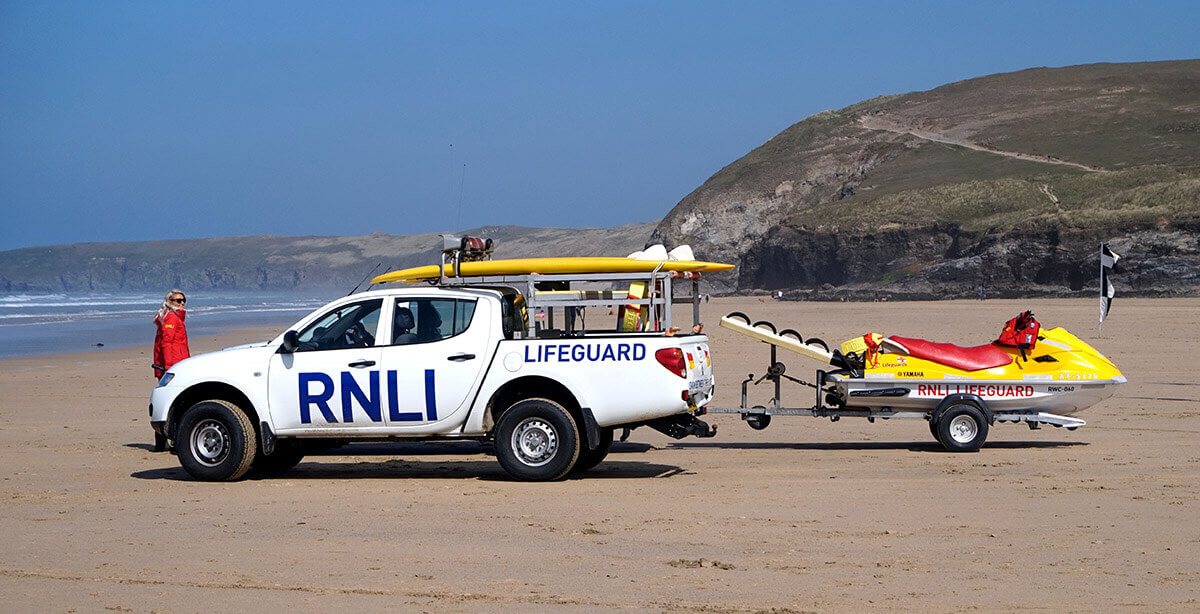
(440, 362)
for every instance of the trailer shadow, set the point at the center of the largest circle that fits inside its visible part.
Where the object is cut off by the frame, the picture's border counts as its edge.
(911, 446)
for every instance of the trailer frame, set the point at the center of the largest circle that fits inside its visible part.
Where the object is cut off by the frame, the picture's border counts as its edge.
(830, 404)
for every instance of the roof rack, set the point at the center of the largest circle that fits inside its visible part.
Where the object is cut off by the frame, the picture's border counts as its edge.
(543, 293)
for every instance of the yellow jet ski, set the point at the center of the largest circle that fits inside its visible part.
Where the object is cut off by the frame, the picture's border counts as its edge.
(1027, 375)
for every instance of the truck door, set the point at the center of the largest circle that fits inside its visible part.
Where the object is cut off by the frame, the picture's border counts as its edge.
(332, 380)
(435, 359)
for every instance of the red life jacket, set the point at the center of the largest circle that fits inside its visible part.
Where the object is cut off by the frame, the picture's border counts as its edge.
(1020, 332)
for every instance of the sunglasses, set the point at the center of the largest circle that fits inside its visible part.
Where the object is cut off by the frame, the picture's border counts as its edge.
(179, 300)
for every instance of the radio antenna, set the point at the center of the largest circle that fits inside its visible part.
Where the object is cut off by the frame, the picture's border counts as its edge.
(452, 177)
(458, 219)
(369, 275)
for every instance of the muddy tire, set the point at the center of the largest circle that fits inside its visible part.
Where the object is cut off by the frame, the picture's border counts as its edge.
(215, 441)
(537, 440)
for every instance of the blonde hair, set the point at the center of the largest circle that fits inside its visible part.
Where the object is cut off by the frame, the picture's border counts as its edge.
(166, 304)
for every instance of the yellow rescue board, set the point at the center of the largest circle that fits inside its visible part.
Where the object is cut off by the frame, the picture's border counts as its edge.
(552, 266)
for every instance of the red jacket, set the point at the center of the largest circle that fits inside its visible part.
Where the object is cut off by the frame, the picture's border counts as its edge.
(171, 342)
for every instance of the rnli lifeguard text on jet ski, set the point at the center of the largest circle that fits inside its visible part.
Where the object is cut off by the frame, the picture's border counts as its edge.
(986, 391)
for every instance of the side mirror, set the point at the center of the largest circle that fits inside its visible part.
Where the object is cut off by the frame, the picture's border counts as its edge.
(291, 341)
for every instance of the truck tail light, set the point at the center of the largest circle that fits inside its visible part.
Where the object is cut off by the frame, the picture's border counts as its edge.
(672, 359)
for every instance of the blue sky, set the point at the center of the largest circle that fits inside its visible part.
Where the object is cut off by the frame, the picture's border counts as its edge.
(142, 120)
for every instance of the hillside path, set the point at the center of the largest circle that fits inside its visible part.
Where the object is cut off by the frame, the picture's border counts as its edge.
(875, 122)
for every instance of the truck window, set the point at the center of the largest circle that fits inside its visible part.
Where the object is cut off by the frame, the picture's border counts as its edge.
(512, 315)
(424, 320)
(348, 326)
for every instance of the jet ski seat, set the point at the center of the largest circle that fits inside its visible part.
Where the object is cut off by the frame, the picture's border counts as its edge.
(967, 359)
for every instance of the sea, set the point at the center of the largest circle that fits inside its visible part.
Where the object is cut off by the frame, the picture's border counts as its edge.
(33, 324)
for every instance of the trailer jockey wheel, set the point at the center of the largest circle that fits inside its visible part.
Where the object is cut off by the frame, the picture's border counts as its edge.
(758, 422)
(962, 428)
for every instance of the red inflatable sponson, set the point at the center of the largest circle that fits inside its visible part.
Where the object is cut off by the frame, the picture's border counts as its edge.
(967, 359)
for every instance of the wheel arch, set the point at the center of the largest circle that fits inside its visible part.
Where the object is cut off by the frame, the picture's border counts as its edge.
(962, 398)
(205, 391)
(532, 387)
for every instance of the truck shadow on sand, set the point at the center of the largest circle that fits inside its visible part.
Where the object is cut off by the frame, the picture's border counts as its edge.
(321, 466)
(911, 446)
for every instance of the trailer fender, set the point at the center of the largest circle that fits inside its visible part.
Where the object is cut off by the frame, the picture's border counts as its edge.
(954, 399)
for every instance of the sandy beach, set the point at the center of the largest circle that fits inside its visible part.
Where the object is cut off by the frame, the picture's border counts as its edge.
(807, 515)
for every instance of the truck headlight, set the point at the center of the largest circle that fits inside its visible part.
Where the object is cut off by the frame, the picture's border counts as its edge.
(165, 379)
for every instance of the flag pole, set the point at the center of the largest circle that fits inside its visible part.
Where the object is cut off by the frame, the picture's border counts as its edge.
(1100, 327)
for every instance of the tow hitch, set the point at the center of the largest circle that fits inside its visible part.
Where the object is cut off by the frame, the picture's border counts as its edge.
(683, 425)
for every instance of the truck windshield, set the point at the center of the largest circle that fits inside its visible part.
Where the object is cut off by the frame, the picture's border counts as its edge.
(348, 326)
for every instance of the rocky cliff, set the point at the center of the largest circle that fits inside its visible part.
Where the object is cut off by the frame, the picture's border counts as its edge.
(1011, 181)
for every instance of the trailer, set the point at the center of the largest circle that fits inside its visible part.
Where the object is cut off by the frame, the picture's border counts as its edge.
(958, 411)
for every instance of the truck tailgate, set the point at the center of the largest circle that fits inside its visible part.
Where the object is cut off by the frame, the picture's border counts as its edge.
(699, 369)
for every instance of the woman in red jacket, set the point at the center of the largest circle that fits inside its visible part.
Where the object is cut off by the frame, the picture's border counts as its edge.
(171, 342)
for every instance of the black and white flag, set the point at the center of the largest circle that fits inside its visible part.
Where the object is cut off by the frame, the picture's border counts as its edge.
(1108, 260)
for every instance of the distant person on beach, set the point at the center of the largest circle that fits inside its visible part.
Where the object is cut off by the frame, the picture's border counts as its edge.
(170, 342)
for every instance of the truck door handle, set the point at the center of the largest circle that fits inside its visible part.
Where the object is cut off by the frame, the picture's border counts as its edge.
(461, 357)
(362, 363)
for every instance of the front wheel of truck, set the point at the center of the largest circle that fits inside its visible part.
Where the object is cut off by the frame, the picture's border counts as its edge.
(215, 441)
(537, 441)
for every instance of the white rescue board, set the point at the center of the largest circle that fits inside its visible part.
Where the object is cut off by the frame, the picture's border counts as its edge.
(812, 351)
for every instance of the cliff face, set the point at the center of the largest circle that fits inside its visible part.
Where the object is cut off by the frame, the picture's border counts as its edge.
(277, 263)
(943, 261)
(1010, 180)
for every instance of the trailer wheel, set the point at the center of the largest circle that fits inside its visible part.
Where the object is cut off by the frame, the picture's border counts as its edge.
(537, 441)
(962, 428)
(758, 422)
(215, 441)
(591, 458)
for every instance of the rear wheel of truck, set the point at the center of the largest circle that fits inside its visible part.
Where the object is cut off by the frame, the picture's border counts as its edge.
(591, 458)
(537, 440)
(215, 441)
(962, 428)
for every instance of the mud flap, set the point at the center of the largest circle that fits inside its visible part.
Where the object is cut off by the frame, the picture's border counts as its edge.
(682, 425)
(267, 439)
